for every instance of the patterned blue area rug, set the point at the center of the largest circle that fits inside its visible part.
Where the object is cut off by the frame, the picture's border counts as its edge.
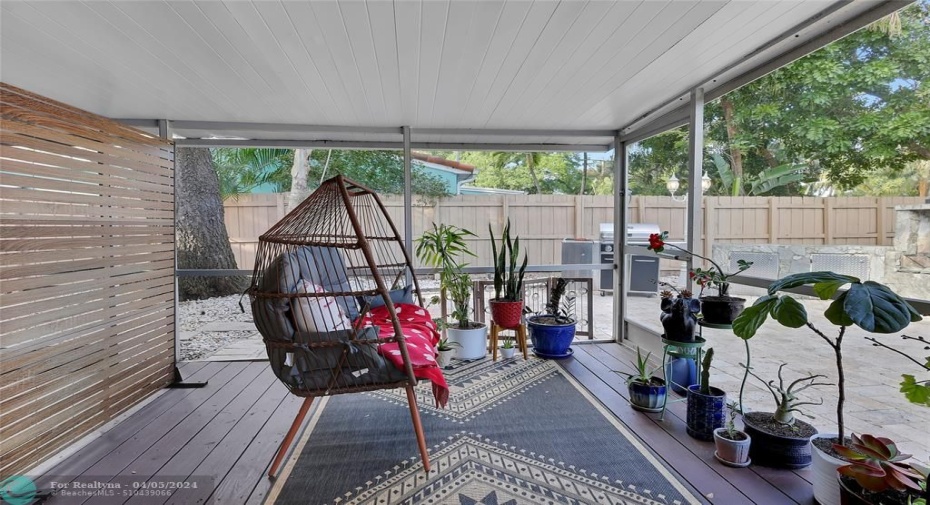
(515, 432)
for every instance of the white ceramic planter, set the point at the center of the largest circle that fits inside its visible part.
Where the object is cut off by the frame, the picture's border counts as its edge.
(732, 452)
(473, 342)
(823, 473)
(445, 358)
(508, 353)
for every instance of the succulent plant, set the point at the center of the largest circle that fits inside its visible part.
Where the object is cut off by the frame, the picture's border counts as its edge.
(877, 465)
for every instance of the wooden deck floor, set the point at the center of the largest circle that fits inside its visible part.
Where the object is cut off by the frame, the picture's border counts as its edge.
(226, 433)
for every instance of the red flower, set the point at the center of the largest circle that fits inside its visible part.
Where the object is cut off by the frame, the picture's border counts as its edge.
(656, 243)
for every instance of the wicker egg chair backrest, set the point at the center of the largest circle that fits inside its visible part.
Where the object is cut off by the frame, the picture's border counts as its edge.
(317, 272)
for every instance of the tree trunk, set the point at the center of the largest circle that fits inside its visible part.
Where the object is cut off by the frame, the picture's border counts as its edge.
(299, 189)
(201, 236)
(735, 153)
(584, 174)
(531, 166)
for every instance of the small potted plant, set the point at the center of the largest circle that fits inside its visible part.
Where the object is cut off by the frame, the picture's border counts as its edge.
(869, 305)
(647, 392)
(877, 473)
(720, 309)
(705, 412)
(470, 335)
(445, 350)
(552, 333)
(782, 441)
(732, 444)
(507, 348)
(507, 304)
(679, 314)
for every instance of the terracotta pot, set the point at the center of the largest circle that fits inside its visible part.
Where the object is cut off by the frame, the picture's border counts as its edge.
(507, 314)
(732, 452)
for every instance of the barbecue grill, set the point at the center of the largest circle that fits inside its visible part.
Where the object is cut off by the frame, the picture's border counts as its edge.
(644, 270)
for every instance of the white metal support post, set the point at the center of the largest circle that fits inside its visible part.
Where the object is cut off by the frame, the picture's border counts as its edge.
(621, 197)
(695, 171)
(165, 132)
(408, 194)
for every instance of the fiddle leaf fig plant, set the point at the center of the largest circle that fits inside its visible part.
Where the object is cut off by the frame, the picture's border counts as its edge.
(869, 305)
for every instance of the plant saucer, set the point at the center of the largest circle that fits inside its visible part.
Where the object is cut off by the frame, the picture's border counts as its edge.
(730, 463)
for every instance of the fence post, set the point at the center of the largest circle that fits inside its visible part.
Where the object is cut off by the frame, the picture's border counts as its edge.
(579, 216)
(880, 224)
(828, 220)
(773, 220)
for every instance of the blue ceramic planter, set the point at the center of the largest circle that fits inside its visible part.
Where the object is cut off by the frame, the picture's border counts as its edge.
(550, 340)
(648, 397)
(706, 413)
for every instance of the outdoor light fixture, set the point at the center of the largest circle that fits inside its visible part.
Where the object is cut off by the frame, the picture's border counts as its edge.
(673, 184)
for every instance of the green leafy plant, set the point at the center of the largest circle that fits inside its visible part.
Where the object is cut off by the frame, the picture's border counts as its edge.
(508, 279)
(643, 373)
(786, 400)
(713, 277)
(877, 465)
(733, 410)
(441, 247)
(508, 343)
(868, 305)
(558, 307)
(460, 290)
(446, 345)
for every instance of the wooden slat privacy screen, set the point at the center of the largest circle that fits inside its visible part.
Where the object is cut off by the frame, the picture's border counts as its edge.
(86, 273)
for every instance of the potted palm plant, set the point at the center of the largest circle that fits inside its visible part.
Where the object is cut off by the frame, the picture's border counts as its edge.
(647, 392)
(507, 304)
(732, 444)
(705, 412)
(441, 247)
(470, 335)
(869, 305)
(552, 333)
(719, 309)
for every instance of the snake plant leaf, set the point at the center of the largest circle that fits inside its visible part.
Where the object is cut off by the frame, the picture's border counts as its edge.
(789, 312)
(749, 321)
(876, 309)
(803, 278)
(835, 313)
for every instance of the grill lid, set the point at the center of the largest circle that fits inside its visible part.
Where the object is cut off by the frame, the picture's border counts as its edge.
(635, 232)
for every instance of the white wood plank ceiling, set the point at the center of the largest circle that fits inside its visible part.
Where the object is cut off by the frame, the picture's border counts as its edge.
(454, 66)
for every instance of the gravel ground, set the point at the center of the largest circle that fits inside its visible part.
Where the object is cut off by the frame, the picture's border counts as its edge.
(195, 314)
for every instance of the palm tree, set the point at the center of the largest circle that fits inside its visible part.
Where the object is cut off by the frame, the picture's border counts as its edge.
(242, 170)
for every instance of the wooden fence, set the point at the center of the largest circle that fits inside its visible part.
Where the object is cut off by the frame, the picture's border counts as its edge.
(543, 221)
(87, 250)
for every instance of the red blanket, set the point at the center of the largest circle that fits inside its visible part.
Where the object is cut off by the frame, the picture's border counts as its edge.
(421, 337)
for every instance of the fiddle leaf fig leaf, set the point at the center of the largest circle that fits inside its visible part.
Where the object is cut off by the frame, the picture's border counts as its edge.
(835, 313)
(826, 289)
(746, 325)
(803, 278)
(789, 312)
(876, 309)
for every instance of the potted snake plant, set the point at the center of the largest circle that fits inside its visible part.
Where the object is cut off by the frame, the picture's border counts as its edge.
(507, 304)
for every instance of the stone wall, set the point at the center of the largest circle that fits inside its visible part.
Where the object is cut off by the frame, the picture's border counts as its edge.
(904, 267)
